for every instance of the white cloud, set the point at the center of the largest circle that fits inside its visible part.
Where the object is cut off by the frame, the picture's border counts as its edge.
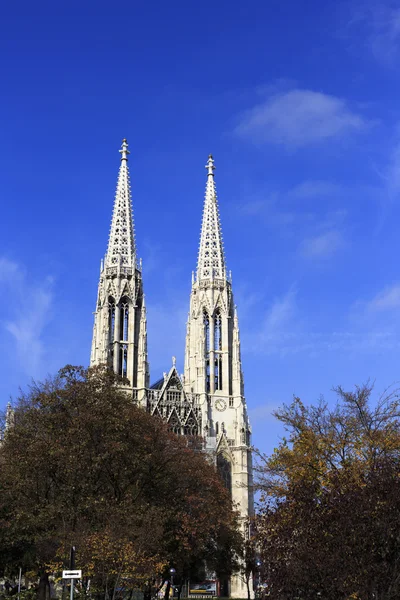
(8, 270)
(276, 327)
(280, 313)
(315, 189)
(393, 173)
(383, 23)
(263, 412)
(298, 118)
(29, 311)
(387, 299)
(324, 245)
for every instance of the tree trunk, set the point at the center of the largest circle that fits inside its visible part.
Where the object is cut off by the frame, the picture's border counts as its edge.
(166, 596)
(146, 592)
(44, 586)
(248, 587)
(180, 590)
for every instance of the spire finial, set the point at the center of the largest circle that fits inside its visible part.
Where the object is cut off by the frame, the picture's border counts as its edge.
(124, 150)
(210, 165)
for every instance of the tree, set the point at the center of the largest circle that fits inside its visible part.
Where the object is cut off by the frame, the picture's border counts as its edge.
(83, 466)
(329, 524)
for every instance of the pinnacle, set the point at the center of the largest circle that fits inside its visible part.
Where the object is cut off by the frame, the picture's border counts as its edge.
(211, 260)
(121, 244)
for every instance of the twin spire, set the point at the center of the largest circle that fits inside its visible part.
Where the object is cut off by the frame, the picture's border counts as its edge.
(121, 249)
(211, 259)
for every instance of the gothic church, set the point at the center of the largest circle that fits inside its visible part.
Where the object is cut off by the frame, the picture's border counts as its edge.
(208, 400)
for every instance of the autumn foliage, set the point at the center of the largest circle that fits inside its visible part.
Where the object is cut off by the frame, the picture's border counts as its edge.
(83, 466)
(329, 525)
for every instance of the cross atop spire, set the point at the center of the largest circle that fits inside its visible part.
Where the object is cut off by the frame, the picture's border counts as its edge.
(211, 259)
(210, 165)
(121, 243)
(124, 150)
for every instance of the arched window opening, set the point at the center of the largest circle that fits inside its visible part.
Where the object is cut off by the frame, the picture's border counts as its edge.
(224, 469)
(111, 319)
(216, 428)
(248, 438)
(218, 372)
(206, 323)
(217, 332)
(175, 425)
(217, 351)
(243, 435)
(190, 427)
(124, 318)
(123, 360)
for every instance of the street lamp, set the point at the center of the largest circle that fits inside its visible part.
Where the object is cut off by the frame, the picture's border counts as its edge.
(172, 572)
(258, 565)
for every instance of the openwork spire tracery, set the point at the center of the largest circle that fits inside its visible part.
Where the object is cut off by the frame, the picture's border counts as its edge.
(211, 260)
(121, 244)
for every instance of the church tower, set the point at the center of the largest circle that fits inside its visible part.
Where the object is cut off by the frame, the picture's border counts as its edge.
(208, 401)
(213, 370)
(119, 333)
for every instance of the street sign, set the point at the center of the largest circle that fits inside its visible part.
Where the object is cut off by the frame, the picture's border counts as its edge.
(76, 574)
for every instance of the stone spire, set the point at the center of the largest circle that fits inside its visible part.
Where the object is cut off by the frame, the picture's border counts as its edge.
(121, 243)
(119, 331)
(211, 259)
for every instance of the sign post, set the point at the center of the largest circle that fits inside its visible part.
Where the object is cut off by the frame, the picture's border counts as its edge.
(72, 573)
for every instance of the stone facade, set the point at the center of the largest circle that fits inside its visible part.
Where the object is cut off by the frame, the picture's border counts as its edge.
(208, 400)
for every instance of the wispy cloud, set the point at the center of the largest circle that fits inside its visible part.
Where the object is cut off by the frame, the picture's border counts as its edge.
(386, 300)
(280, 313)
(286, 331)
(380, 21)
(263, 412)
(298, 118)
(392, 175)
(310, 189)
(278, 323)
(324, 245)
(27, 310)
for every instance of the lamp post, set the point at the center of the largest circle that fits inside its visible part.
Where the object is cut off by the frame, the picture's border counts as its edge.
(172, 572)
(258, 565)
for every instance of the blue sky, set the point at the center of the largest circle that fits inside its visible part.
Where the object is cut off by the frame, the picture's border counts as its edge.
(298, 103)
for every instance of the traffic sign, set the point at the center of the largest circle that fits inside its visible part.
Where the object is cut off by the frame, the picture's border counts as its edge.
(76, 574)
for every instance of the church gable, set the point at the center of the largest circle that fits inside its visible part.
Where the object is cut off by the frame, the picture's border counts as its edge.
(223, 448)
(168, 399)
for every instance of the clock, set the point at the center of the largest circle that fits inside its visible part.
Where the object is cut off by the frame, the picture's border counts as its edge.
(220, 404)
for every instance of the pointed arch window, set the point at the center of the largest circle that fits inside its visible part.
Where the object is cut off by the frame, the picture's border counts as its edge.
(224, 469)
(190, 427)
(218, 384)
(111, 319)
(217, 332)
(206, 324)
(124, 318)
(123, 360)
(175, 425)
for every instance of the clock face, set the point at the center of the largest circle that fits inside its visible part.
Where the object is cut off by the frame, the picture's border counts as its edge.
(220, 404)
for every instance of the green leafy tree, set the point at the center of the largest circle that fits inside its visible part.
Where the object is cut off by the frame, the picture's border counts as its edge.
(329, 523)
(83, 466)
